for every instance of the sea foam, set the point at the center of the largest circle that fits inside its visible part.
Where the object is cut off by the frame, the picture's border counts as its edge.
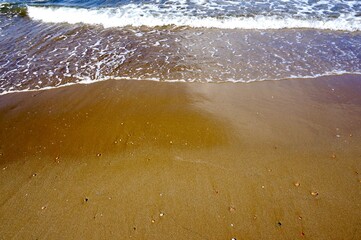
(152, 16)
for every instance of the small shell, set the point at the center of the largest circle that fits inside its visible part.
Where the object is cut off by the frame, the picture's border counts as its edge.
(232, 209)
(314, 193)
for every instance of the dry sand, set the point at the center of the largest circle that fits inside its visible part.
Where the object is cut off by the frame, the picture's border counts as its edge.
(150, 160)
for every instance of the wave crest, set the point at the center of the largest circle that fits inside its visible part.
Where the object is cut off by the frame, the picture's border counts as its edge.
(133, 15)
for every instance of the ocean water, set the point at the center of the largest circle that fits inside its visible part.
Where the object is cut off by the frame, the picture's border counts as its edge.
(45, 44)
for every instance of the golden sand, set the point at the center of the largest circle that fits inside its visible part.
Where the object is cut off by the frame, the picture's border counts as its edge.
(150, 160)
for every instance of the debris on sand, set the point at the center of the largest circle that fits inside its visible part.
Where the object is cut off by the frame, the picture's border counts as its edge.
(314, 193)
(232, 209)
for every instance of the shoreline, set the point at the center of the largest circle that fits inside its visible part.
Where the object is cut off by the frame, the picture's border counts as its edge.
(86, 82)
(142, 159)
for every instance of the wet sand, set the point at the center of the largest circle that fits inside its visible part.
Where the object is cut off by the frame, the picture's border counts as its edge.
(150, 160)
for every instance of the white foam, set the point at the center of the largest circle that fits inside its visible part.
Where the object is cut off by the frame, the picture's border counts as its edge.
(152, 16)
(87, 81)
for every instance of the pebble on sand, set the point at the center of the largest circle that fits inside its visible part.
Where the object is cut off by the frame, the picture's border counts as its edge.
(314, 193)
(297, 184)
(161, 214)
(232, 209)
(99, 155)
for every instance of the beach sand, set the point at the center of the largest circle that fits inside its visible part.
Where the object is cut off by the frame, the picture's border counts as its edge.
(153, 160)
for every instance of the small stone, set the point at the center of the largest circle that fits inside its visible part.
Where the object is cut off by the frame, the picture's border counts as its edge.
(314, 193)
(333, 155)
(232, 209)
(302, 234)
(233, 238)
(297, 184)
(99, 155)
(4, 168)
(338, 136)
(262, 187)
(34, 175)
(279, 224)
(161, 214)
(299, 218)
(350, 135)
(153, 221)
(86, 199)
(232, 225)
(43, 207)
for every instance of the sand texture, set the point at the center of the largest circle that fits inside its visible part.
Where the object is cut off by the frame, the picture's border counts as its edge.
(152, 160)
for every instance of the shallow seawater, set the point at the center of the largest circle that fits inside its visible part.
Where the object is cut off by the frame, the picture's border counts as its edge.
(54, 43)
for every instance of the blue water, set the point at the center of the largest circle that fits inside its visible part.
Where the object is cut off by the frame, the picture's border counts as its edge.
(306, 10)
